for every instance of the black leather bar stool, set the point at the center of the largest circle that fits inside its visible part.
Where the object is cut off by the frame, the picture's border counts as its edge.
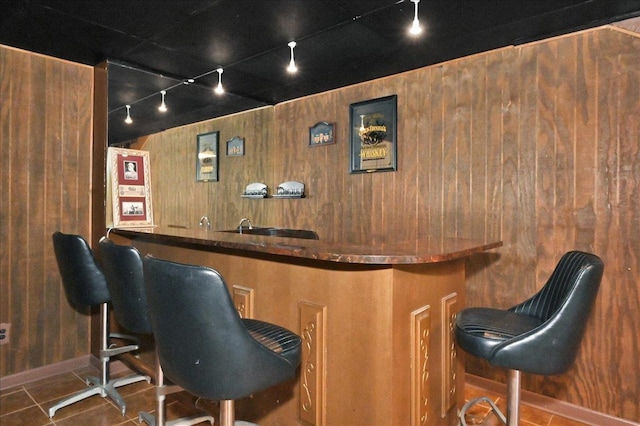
(85, 285)
(125, 278)
(203, 344)
(541, 335)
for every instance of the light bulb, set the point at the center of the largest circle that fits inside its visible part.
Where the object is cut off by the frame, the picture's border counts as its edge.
(128, 120)
(415, 26)
(163, 106)
(292, 64)
(219, 89)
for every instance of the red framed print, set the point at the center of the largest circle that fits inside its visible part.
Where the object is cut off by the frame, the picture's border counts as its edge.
(128, 188)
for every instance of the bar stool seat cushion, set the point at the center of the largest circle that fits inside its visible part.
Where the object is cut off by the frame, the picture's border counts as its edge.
(481, 331)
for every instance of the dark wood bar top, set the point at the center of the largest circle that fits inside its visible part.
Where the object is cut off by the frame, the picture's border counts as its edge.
(420, 251)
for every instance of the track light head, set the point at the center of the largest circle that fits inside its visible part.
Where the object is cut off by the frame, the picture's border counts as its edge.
(292, 68)
(415, 25)
(219, 89)
(163, 106)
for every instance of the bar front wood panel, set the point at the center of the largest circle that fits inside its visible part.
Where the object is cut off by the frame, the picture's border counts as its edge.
(534, 145)
(45, 181)
(356, 322)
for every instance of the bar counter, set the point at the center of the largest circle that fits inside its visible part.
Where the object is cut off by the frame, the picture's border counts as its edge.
(429, 250)
(376, 320)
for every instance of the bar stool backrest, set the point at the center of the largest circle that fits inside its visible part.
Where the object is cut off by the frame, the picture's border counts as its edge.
(201, 341)
(123, 270)
(563, 305)
(83, 281)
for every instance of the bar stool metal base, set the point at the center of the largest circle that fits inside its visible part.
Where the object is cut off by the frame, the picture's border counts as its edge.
(160, 419)
(183, 421)
(513, 402)
(471, 403)
(103, 385)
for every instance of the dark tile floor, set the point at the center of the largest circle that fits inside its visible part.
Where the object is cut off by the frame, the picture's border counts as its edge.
(28, 405)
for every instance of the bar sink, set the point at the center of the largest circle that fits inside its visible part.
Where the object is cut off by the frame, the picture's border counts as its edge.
(275, 232)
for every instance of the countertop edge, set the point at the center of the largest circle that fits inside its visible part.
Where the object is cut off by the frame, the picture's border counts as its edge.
(432, 250)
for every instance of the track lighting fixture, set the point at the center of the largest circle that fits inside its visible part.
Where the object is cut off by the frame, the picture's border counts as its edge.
(415, 26)
(292, 64)
(128, 120)
(415, 29)
(163, 106)
(219, 89)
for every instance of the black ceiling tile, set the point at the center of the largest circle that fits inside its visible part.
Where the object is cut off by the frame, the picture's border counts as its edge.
(165, 61)
(141, 19)
(232, 31)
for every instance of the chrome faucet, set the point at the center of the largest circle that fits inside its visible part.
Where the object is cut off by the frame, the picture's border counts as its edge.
(243, 220)
(204, 221)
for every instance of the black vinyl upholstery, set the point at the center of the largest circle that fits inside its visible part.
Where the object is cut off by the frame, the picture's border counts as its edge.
(86, 285)
(125, 279)
(203, 344)
(124, 271)
(542, 334)
(83, 281)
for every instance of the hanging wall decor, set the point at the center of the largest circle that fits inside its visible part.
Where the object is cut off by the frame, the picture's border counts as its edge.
(235, 147)
(128, 188)
(373, 131)
(207, 157)
(322, 133)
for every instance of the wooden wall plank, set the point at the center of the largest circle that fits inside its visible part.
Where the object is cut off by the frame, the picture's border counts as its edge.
(53, 296)
(5, 194)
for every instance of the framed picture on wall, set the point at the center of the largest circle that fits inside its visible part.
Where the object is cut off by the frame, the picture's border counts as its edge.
(373, 133)
(129, 188)
(322, 133)
(235, 147)
(207, 157)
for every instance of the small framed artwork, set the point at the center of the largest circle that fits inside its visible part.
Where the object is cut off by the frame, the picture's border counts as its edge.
(373, 133)
(207, 157)
(322, 133)
(128, 188)
(235, 147)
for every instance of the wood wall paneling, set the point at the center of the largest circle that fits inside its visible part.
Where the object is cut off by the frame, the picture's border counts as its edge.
(45, 121)
(536, 145)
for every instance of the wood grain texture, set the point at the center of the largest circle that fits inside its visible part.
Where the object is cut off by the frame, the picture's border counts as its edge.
(358, 362)
(535, 145)
(45, 117)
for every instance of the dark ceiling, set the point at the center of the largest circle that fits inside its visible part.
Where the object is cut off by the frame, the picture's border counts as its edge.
(154, 45)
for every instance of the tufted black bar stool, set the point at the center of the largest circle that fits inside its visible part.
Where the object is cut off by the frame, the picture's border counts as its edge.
(541, 335)
(203, 344)
(85, 285)
(123, 270)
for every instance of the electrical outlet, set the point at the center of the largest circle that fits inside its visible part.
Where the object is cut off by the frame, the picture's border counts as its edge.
(4, 333)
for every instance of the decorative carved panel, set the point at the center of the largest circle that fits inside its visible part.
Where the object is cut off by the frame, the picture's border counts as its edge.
(243, 300)
(449, 356)
(313, 364)
(420, 342)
